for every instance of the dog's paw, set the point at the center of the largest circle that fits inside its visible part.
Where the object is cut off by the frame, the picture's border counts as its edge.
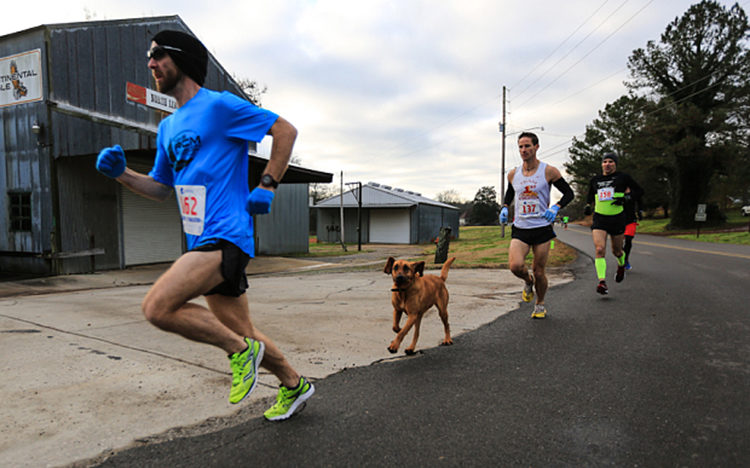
(410, 352)
(392, 350)
(446, 343)
(396, 329)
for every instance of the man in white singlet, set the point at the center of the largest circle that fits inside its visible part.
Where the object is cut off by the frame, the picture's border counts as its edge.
(530, 185)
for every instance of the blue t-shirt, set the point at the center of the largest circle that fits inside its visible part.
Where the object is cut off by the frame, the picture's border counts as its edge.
(202, 151)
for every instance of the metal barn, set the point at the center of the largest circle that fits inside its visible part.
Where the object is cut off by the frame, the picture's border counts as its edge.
(66, 92)
(388, 215)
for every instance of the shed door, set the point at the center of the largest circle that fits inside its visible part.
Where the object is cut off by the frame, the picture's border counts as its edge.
(152, 230)
(390, 226)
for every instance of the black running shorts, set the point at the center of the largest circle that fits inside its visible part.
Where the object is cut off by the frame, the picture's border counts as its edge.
(533, 236)
(614, 225)
(233, 263)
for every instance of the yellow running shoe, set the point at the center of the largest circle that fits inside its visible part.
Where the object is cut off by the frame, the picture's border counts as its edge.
(539, 312)
(528, 292)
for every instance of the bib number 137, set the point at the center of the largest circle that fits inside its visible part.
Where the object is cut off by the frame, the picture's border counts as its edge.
(192, 202)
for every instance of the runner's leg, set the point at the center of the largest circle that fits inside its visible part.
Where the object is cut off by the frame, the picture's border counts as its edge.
(541, 254)
(517, 253)
(600, 246)
(234, 312)
(617, 243)
(166, 304)
(628, 245)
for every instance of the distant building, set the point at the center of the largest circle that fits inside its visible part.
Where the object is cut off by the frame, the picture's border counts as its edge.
(66, 92)
(389, 216)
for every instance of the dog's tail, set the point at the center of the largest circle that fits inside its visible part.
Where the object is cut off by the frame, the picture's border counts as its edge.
(446, 267)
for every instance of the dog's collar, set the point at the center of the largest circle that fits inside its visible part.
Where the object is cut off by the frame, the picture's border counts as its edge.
(398, 290)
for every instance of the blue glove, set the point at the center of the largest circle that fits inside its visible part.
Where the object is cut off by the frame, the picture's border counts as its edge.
(551, 213)
(504, 215)
(259, 201)
(111, 161)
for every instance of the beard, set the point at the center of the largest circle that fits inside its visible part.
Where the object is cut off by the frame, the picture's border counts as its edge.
(169, 81)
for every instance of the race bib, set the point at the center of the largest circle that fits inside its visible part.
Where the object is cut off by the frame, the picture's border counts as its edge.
(192, 200)
(606, 194)
(530, 208)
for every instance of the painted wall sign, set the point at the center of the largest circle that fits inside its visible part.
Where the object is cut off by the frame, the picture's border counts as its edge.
(150, 98)
(21, 78)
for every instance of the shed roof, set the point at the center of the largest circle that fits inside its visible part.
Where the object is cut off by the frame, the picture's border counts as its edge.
(375, 195)
(294, 174)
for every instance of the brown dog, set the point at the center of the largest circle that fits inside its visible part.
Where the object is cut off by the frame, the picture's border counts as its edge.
(414, 293)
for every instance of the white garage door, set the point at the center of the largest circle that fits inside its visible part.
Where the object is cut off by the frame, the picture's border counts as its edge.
(390, 226)
(152, 230)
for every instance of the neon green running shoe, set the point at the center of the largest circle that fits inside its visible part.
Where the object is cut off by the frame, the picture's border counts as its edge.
(289, 399)
(245, 370)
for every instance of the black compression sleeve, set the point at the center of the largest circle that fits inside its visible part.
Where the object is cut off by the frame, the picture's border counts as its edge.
(567, 192)
(509, 194)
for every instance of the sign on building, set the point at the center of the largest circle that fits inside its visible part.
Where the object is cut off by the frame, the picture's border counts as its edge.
(150, 98)
(21, 78)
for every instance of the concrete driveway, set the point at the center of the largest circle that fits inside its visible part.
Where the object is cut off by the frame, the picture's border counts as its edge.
(83, 374)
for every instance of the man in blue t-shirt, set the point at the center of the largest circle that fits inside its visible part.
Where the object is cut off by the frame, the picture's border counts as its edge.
(202, 154)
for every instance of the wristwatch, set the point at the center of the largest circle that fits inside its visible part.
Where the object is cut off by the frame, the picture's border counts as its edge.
(266, 180)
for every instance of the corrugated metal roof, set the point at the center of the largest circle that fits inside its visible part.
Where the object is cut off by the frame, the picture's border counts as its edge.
(375, 195)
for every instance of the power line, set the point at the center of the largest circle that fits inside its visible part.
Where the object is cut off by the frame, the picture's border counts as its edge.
(560, 45)
(589, 52)
(574, 48)
(471, 110)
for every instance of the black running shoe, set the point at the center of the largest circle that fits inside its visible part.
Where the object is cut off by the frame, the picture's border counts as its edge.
(602, 288)
(620, 275)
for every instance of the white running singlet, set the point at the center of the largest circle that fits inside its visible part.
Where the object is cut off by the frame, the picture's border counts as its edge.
(532, 198)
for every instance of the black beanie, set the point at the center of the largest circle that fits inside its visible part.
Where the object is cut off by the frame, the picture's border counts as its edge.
(193, 60)
(611, 156)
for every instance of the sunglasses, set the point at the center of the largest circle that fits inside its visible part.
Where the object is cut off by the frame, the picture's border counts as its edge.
(158, 52)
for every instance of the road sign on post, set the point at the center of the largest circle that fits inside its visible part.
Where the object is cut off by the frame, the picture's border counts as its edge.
(700, 214)
(700, 217)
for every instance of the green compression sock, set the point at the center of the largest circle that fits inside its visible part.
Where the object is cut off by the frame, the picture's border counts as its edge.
(601, 267)
(621, 260)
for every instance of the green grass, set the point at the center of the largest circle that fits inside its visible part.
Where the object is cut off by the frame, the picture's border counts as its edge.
(477, 247)
(742, 238)
(734, 220)
(483, 247)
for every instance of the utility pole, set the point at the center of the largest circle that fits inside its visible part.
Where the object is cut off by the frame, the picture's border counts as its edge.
(343, 243)
(502, 165)
(359, 212)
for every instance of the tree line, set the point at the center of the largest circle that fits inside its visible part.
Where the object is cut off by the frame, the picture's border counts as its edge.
(682, 131)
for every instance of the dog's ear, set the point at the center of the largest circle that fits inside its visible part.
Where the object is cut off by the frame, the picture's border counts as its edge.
(389, 266)
(419, 268)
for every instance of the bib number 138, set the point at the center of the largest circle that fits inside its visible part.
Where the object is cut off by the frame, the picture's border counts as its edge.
(192, 202)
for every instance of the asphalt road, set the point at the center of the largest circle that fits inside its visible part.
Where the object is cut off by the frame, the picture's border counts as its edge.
(655, 374)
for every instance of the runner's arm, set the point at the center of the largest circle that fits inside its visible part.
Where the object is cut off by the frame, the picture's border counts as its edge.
(555, 178)
(283, 134)
(144, 185)
(567, 192)
(509, 194)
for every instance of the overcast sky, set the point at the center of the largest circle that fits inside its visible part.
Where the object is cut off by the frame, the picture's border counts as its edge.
(408, 93)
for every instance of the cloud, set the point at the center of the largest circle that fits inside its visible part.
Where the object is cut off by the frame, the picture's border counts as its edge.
(408, 93)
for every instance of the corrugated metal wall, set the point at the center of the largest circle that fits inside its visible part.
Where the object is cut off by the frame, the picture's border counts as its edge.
(24, 167)
(285, 229)
(431, 219)
(329, 220)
